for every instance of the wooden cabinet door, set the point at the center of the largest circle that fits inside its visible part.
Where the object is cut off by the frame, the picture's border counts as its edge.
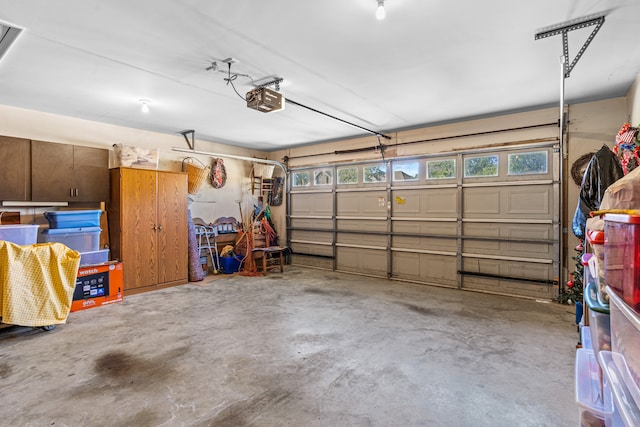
(15, 173)
(90, 174)
(138, 225)
(172, 227)
(51, 172)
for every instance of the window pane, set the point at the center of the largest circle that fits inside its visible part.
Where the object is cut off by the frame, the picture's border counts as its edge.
(300, 179)
(374, 173)
(405, 171)
(441, 169)
(348, 176)
(528, 163)
(481, 166)
(323, 177)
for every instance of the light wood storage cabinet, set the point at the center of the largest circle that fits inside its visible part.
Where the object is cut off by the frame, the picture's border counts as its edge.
(148, 227)
(15, 173)
(69, 173)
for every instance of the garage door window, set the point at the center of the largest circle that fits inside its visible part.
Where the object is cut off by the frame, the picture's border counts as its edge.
(301, 179)
(441, 169)
(323, 177)
(528, 163)
(406, 171)
(483, 166)
(347, 175)
(373, 174)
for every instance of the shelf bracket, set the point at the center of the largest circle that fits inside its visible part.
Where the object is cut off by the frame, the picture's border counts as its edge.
(192, 143)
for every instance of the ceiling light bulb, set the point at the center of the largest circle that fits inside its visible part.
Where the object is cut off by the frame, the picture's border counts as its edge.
(380, 12)
(145, 106)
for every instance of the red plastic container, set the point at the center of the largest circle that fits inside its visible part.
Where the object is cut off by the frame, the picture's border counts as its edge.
(622, 257)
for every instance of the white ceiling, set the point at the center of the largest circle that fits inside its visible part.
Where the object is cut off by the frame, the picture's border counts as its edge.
(429, 61)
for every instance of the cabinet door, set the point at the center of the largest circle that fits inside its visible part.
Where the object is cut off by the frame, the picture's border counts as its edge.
(138, 234)
(51, 172)
(15, 173)
(90, 174)
(172, 227)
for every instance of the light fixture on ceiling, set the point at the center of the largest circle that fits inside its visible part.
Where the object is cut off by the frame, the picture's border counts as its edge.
(380, 12)
(145, 105)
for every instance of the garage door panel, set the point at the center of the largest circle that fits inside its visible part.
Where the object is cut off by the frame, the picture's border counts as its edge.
(369, 203)
(481, 230)
(358, 260)
(509, 288)
(443, 228)
(423, 243)
(312, 223)
(416, 242)
(479, 202)
(312, 261)
(361, 225)
(522, 202)
(311, 236)
(425, 202)
(311, 249)
(542, 272)
(505, 247)
(529, 201)
(437, 269)
(309, 204)
(362, 239)
(516, 269)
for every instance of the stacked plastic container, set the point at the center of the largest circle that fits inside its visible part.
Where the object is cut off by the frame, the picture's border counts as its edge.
(20, 234)
(595, 338)
(621, 365)
(80, 231)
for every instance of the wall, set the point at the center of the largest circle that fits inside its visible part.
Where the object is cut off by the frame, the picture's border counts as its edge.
(591, 125)
(208, 204)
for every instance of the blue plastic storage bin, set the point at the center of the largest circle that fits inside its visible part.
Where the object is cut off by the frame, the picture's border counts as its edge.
(230, 264)
(73, 219)
(79, 239)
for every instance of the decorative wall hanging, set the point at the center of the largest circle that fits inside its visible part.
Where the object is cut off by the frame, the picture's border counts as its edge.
(276, 193)
(578, 167)
(218, 174)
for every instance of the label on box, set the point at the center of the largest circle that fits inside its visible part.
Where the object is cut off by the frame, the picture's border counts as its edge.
(97, 285)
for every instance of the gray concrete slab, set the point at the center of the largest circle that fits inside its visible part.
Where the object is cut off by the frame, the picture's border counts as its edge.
(303, 348)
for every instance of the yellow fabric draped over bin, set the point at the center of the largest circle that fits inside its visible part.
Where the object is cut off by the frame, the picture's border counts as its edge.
(37, 283)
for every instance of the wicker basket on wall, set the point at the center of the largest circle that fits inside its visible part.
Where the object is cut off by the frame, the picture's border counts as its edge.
(197, 173)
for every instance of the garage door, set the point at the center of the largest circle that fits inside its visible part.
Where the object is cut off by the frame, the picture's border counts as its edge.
(481, 220)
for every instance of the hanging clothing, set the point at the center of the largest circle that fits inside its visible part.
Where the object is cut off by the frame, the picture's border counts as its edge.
(602, 170)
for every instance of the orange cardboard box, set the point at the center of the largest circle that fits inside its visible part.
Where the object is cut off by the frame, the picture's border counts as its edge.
(98, 285)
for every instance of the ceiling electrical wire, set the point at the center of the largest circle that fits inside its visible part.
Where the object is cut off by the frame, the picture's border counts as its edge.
(230, 78)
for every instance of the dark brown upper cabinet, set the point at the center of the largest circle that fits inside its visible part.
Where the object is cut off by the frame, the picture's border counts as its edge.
(68, 173)
(15, 173)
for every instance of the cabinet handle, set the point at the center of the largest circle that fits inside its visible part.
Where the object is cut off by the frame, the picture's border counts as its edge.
(77, 192)
(71, 192)
(154, 227)
(160, 227)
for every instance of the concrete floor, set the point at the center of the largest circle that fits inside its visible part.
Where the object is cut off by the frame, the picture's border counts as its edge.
(303, 348)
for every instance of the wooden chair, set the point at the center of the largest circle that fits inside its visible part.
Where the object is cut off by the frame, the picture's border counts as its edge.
(267, 257)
